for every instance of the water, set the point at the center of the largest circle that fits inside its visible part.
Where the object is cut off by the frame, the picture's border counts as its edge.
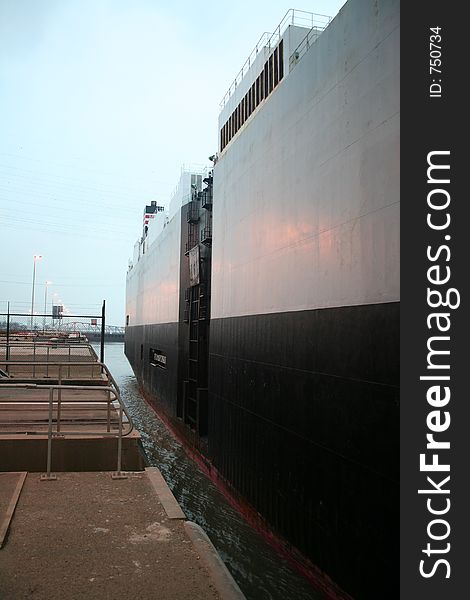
(259, 571)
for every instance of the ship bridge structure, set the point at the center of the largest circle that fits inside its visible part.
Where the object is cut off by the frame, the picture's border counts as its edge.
(274, 55)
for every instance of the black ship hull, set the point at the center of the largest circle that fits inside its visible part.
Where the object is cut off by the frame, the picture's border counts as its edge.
(272, 348)
(303, 425)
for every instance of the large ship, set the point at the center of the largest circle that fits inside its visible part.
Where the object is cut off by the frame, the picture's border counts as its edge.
(263, 306)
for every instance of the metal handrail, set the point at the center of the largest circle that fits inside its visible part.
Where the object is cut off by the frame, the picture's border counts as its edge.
(112, 389)
(63, 349)
(52, 363)
(293, 16)
(93, 351)
(304, 45)
(30, 386)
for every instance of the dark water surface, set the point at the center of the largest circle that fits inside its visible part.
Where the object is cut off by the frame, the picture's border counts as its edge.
(259, 571)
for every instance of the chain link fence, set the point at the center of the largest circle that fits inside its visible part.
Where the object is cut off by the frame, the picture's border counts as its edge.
(35, 345)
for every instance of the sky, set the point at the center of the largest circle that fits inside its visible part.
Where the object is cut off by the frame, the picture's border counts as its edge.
(101, 103)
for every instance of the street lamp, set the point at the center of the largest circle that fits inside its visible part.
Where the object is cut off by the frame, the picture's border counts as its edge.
(36, 257)
(45, 305)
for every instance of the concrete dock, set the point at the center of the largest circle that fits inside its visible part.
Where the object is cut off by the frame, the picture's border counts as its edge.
(86, 535)
(80, 515)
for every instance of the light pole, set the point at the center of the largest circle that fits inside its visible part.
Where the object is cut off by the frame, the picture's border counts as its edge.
(45, 305)
(36, 257)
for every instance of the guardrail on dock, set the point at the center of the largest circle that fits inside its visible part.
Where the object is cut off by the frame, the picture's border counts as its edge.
(25, 352)
(117, 416)
(59, 325)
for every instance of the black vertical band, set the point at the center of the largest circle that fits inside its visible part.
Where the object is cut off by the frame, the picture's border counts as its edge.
(434, 545)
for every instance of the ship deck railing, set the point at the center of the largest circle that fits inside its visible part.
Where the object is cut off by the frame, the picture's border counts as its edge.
(300, 18)
(304, 46)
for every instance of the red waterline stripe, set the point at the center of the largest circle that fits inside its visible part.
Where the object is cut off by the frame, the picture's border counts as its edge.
(316, 577)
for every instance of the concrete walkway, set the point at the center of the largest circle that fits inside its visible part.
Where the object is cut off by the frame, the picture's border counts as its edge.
(89, 536)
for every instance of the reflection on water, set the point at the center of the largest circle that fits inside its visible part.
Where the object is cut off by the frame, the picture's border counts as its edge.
(258, 570)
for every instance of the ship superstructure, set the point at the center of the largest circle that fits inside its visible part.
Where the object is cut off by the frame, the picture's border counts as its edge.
(264, 319)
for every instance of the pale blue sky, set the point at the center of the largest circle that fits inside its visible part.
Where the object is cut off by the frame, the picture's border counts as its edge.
(101, 102)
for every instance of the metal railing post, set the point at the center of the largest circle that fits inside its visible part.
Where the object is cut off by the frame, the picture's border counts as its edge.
(47, 358)
(59, 409)
(7, 354)
(109, 412)
(34, 359)
(103, 326)
(48, 476)
(119, 474)
(59, 398)
(120, 441)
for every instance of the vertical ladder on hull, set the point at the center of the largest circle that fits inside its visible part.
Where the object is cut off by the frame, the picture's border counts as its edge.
(196, 313)
(195, 393)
